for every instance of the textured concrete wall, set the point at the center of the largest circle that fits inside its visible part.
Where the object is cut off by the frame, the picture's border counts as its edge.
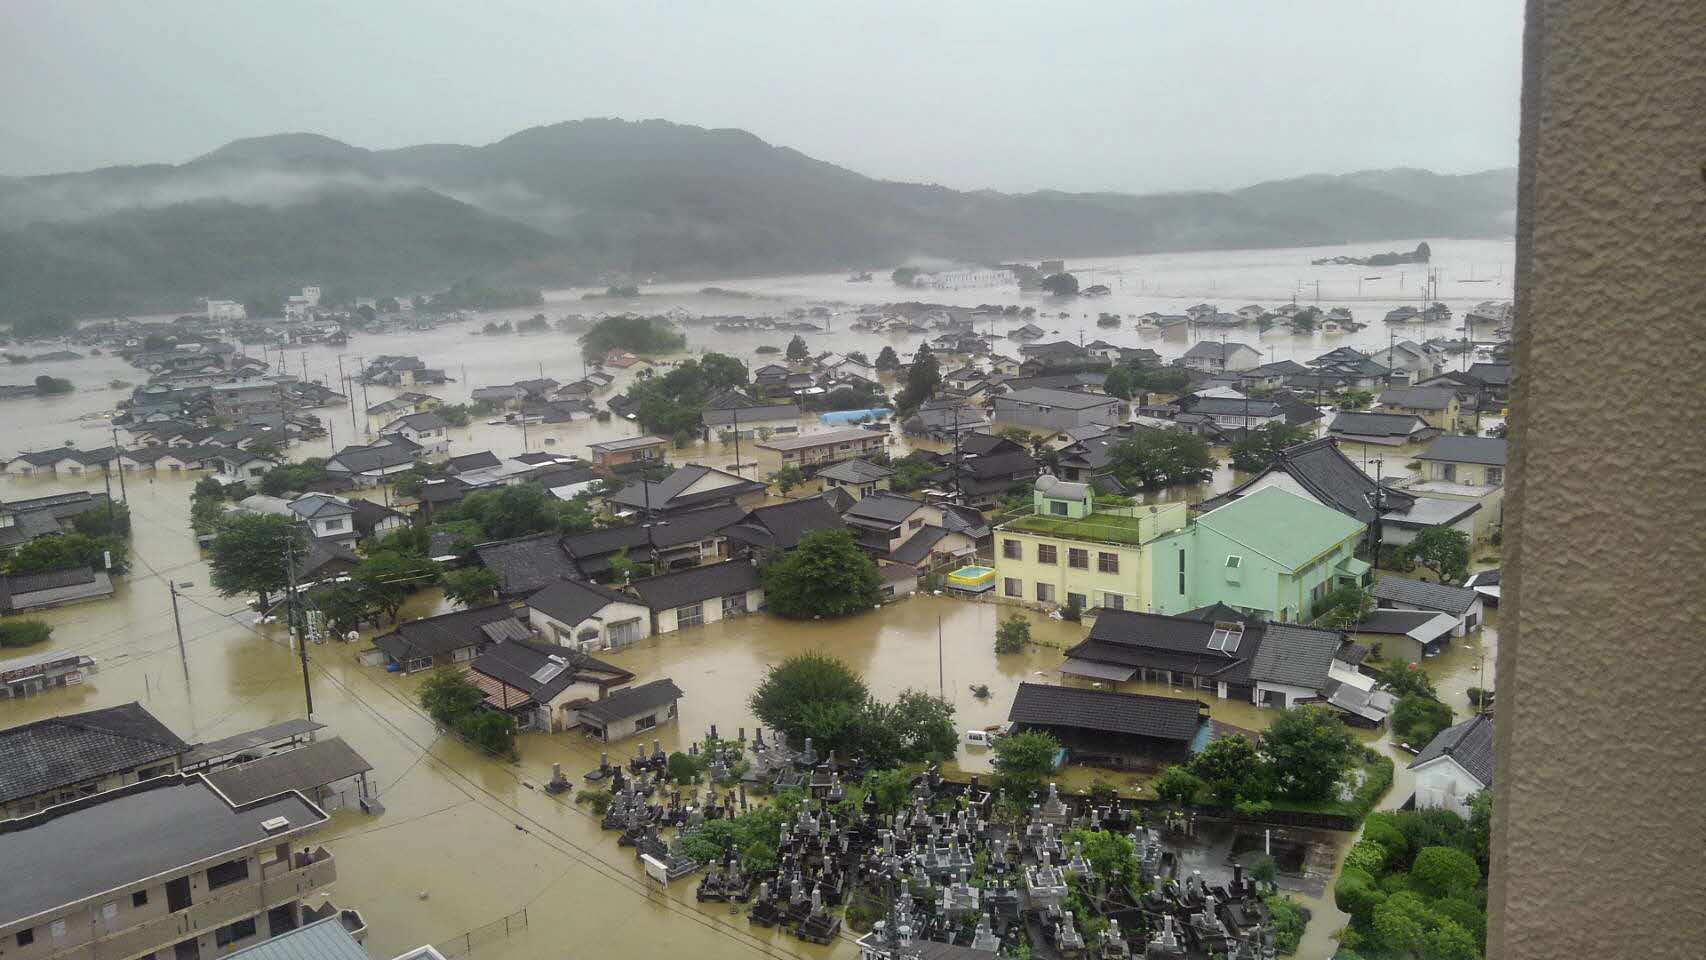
(1600, 827)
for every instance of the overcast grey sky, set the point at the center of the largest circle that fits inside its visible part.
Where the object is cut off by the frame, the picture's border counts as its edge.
(1134, 95)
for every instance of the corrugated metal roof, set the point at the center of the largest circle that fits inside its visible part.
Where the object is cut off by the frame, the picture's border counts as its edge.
(324, 939)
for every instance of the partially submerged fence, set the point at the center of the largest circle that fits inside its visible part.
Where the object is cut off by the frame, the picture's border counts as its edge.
(501, 929)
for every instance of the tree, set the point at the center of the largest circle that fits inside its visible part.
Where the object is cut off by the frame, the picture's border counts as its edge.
(1345, 605)
(1443, 551)
(471, 586)
(1231, 769)
(723, 371)
(1153, 459)
(892, 788)
(1288, 922)
(288, 478)
(1262, 446)
(1446, 872)
(1406, 679)
(793, 688)
(912, 472)
(248, 555)
(1480, 827)
(23, 633)
(1448, 940)
(1111, 855)
(825, 575)
(1061, 285)
(448, 693)
(1012, 634)
(388, 579)
(491, 731)
(1024, 759)
(1417, 719)
(1400, 923)
(509, 512)
(344, 606)
(797, 349)
(1309, 748)
(926, 726)
(922, 380)
(63, 551)
(1177, 785)
(887, 359)
(859, 355)
(787, 478)
(47, 385)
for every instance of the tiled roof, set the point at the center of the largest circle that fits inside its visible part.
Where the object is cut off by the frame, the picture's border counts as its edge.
(1470, 743)
(633, 701)
(1298, 656)
(521, 663)
(884, 507)
(1417, 398)
(439, 635)
(1451, 448)
(1376, 424)
(526, 564)
(62, 751)
(781, 525)
(1432, 596)
(572, 601)
(917, 547)
(696, 584)
(855, 471)
(1163, 718)
(304, 768)
(1062, 399)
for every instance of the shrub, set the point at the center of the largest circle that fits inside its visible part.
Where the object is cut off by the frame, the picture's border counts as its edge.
(1178, 785)
(1357, 894)
(1012, 634)
(1366, 855)
(598, 800)
(1380, 829)
(683, 768)
(23, 633)
(1288, 922)
(1378, 771)
(1446, 871)
(1418, 719)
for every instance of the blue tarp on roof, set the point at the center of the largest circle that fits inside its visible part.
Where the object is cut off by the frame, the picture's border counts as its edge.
(843, 417)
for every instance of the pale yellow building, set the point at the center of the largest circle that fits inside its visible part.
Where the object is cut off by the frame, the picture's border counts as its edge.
(1072, 551)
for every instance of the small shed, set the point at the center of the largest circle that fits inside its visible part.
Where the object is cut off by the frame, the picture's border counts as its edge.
(630, 712)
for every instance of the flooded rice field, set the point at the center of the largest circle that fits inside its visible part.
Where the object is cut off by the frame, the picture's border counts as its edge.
(465, 841)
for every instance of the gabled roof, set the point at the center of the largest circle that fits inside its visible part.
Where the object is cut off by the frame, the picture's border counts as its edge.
(1377, 424)
(572, 601)
(780, 526)
(1451, 448)
(304, 768)
(696, 584)
(1064, 399)
(438, 635)
(884, 507)
(670, 492)
(591, 550)
(1321, 468)
(632, 701)
(526, 564)
(1231, 407)
(1469, 743)
(1294, 655)
(1432, 596)
(1418, 398)
(1424, 626)
(1133, 714)
(61, 751)
(416, 421)
(1216, 349)
(393, 450)
(1282, 526)
(855, 471)
(542, 671)
(917, 547)
(320, 505)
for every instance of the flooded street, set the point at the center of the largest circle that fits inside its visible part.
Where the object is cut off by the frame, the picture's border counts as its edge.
(466, 841)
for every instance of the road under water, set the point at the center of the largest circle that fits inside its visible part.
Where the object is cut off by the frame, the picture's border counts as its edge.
(466, 840)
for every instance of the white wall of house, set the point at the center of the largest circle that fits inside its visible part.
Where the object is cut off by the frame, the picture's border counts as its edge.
(613, 626)
(1292, 694)
(1471, 619)
(1442, 784)
(708, 611)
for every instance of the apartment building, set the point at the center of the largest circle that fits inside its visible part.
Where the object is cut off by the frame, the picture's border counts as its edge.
(820, 449)
(166, 868)
(1071, 552)
(249, 403)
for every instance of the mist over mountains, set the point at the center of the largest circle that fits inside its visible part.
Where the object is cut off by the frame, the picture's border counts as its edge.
(577, 201)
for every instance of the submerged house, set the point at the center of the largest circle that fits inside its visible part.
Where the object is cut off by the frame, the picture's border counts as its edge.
(1455, 765)
(632, 711)
(585, 616)
(543, 685)
(700, 595)
(448, 638)
(1126, 730)
(60, 759)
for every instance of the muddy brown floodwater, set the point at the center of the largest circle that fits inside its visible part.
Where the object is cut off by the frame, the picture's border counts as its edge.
(466, 841)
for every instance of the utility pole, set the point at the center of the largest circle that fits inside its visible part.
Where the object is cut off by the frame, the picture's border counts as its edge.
(107, 478)
(172, 586)
(118, 454)
(941, 675)
(300, 632)
(1379, 508)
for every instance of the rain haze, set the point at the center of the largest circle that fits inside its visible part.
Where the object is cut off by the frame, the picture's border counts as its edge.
(1134, 97)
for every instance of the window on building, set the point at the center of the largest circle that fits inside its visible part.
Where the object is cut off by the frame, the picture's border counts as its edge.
(1045, 592)
(1011, 550)
(1108, 562)
(26, 937)
(139, 898)
(1448, 471)
(336, 523)
(691, 615)
(1057, 507)
(1495, 476)
(1113, 601)
(646, 722)
(1078, 559)
(1076, 601)
(227, 873)
(1046, 553)
(233, 932)
(915, 523)
(1181, 571)
(1013, 587)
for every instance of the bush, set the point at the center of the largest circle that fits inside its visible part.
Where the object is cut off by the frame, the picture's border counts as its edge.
(1288, 922)
(598, 800)
(1380, 829)
(1023, 760)
(1012, 634)
(1417, 719)
(1446, 872)
(1366, 855)
(1378, 771)
(23, 633)
(1357, 894)
(1178, 785)
(683, 768)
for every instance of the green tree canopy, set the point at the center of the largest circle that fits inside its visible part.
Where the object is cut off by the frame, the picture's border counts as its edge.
(793, 687)
(1153, 459)
(1012, 634)
(1061, 285)
(471, 586)
(1024, 759)
(1262, 446)
(63, 551)
(922, 380)
(388, 579)
(1443, 551)
(1309, 748)
(797, 349)
(1231, 769)
(23, 633)
(787, 478)
(1178, 785)
(1417, 719)
(248, 554)
(824, 575)
(887, 359)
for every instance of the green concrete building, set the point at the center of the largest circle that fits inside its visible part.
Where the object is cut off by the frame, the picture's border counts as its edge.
(1270, 552)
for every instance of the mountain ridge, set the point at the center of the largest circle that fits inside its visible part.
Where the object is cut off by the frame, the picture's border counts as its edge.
(576, 200)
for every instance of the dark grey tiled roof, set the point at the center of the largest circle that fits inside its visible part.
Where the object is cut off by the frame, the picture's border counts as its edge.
(517, 662)
(695, 584)
(1393, 621)
(526, 564)
(1417, 398)
(1321, 468)
(1294, 655)
(61, 751)
(395, 451)
(1452, 448)
(1164, 718)
(304, 768)
(917, 547)
(633, 701)
(781, 525)
(855, 471)
(884, 507)
(1376, 424)
(1470, 743)
(571, 601)
(1433, 596)
(438, 635)
(1233, 407)
(1060, 399)
(666, 494)
(472, 461)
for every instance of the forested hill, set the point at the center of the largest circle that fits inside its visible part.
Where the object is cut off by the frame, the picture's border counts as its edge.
(577, 200)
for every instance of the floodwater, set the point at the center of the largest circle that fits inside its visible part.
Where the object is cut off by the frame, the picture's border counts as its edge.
(465, 840)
